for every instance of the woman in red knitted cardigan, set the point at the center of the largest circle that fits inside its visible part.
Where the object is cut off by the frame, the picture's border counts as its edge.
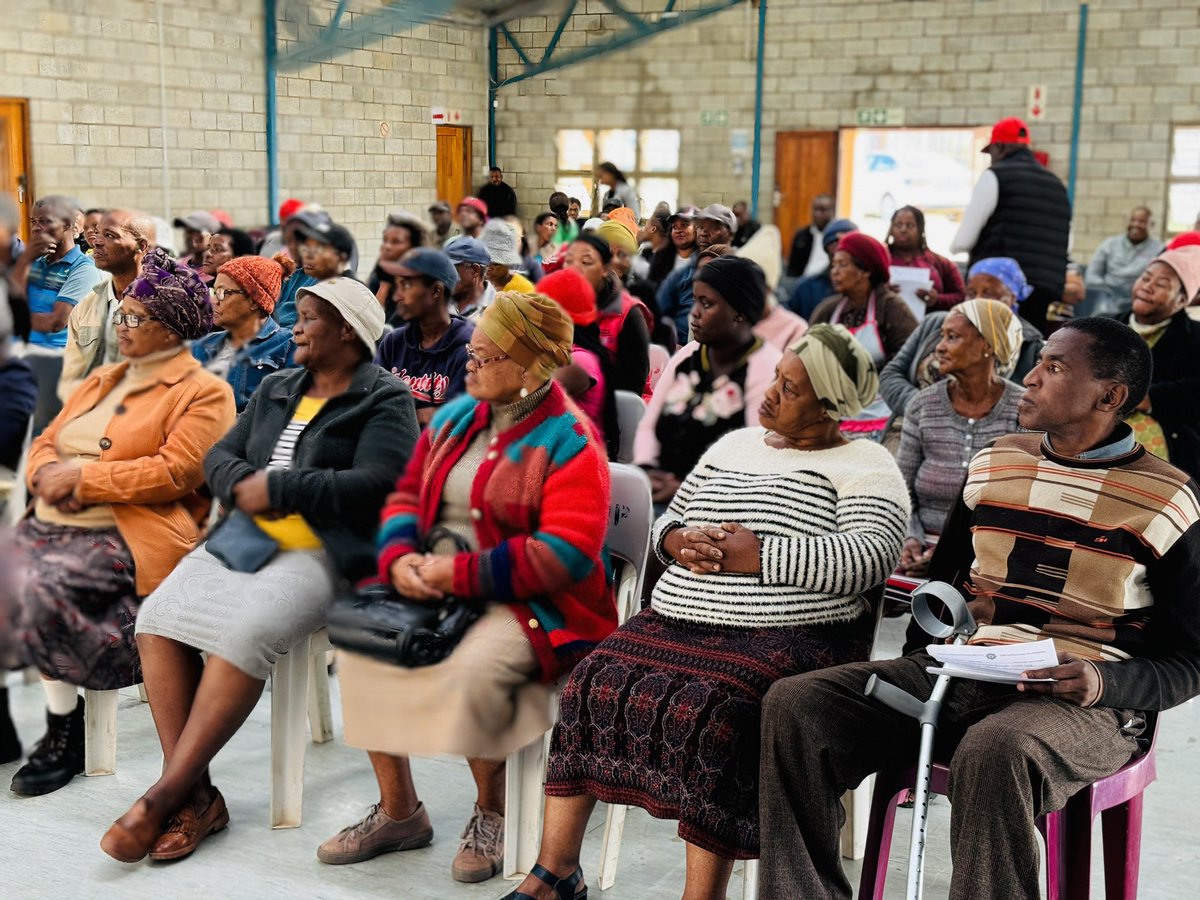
(517, 475)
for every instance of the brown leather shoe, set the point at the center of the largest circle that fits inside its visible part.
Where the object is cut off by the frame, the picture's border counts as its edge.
(377, 833)
(130, 838)
(189, 827)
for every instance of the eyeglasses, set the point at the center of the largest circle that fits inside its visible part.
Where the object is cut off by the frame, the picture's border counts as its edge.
(473, 357)
(131, 320)
(221, 293)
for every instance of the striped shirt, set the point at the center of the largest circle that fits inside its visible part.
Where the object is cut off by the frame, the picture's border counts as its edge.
(292, 532)
(830, 523)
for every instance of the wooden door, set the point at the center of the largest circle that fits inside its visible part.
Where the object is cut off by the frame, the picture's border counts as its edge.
(16, 179)
(453, 163)
(805, 167)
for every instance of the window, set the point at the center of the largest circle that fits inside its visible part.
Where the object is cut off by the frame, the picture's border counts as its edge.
(649, 159)
(934, 169)
(1183, 188)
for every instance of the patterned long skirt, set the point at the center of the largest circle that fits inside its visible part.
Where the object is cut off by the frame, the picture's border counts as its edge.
(78, 605)
(665, 715)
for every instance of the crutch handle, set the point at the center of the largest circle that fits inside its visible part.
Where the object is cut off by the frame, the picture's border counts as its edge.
(890, 695)
(962, 624)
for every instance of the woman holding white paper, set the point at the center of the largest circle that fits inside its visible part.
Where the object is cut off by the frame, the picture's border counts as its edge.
(908, 250)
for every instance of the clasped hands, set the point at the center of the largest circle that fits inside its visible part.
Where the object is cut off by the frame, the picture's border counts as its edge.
(727, 547)
(423, 576)
(55, 483)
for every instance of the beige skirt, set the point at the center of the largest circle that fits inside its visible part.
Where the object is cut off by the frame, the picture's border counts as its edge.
(479, 702)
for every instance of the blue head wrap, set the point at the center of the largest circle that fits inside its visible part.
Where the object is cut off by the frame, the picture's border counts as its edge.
(1006, 270)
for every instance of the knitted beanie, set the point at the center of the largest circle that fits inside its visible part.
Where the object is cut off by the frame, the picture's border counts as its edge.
(260, 278)
(573, 293)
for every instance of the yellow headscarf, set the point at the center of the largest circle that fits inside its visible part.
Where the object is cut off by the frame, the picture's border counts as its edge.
(1000, 327)
(617, 234)
(531, 329)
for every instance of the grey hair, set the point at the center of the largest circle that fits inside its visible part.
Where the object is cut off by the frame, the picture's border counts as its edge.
(65, 209)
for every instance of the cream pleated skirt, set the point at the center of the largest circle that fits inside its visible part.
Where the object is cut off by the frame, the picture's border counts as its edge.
(480, 702)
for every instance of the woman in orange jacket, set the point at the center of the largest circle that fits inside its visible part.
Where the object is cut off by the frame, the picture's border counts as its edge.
(114, 481)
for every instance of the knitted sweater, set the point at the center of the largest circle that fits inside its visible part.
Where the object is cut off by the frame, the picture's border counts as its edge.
(1102, 555)
(937, 445)
(831, 524)
(540, 503)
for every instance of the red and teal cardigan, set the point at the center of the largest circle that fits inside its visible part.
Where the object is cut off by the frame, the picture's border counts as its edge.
(540, 503)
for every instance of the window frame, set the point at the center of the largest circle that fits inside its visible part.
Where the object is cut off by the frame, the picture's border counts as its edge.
(1173, 180)
(635, 176)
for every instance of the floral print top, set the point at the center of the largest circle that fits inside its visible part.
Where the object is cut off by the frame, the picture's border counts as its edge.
(699, 408)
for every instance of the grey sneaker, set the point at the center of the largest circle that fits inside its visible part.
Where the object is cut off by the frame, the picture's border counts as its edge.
(377, 833)
(481, 853)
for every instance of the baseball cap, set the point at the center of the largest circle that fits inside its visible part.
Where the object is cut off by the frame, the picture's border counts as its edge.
(718, 213)
(467, 250)
(475, 203)
(355, 304)
(428, 262)
(199, 220)
(689, 213)
(329, 233)
(1009, 131)
(289, 208)
(440, 206)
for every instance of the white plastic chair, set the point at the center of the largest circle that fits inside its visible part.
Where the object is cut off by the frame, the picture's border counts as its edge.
(628, 542)
(659, 357)
(630, 409)
(299, 691)
(100, 730)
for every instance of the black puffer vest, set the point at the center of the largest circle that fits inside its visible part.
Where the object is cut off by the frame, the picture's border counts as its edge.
(1031, 223)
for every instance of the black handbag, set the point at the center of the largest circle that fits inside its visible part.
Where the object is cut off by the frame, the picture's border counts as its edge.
(377, 622)
(239, 544)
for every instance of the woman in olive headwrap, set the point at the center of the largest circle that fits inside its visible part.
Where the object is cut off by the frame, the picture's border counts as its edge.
(513, 472)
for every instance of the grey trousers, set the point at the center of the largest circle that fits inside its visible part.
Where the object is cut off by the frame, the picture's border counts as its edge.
(1015, 757)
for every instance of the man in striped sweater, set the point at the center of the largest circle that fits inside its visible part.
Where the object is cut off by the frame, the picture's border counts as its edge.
(1071, 532)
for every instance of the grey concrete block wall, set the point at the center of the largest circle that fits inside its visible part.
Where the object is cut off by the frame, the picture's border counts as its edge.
(945, 62)
(91, 73)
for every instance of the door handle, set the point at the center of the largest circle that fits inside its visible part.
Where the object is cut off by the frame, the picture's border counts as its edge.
(22, 181)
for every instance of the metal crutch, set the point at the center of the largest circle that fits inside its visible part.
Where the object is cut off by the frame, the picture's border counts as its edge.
(962, 626)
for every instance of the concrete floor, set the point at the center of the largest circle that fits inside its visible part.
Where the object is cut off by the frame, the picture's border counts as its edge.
(49, 846)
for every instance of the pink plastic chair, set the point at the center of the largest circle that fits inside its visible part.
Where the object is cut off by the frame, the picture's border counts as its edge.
(1068, 831)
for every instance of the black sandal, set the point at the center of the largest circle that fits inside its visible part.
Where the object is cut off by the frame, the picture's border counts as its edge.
(563, 887)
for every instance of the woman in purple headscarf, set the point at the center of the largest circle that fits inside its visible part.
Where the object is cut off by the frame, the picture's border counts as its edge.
(114, 481)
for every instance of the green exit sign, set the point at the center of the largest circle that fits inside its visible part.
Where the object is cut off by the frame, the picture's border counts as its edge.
(878, 115)
(714, 118)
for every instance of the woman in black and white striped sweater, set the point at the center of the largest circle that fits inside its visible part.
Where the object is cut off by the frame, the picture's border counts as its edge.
(770, 543)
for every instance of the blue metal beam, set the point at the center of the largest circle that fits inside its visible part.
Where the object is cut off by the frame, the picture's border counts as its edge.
(272, 111)
(638, 23)
(620, 41)
(558, 32)
(335, 41)
(758, 108)
(512, 42)
(493, 77)
(1077, 105)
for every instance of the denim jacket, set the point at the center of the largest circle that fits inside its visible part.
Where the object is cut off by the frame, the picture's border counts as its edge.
(270, 351)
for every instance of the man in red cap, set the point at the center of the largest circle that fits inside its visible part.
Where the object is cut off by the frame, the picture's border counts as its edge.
(1019, 209)
(472, 213)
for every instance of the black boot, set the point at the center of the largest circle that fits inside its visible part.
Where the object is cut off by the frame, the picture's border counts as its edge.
(57, 758)
(10, 744)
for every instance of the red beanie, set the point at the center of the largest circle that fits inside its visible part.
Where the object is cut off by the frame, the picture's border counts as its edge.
(259, 277)
(868, 253)
(1187, 239)
(573, 293)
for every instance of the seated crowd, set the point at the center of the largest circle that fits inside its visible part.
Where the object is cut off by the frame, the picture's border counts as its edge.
(225, 443)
